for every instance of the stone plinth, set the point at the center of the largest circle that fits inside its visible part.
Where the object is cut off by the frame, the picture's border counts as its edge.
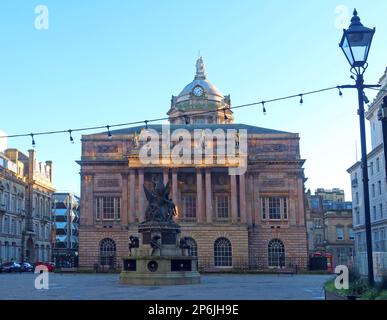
(167, 264)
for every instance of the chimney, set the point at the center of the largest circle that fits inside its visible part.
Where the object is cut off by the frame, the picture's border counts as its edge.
(49, 165)
(31, 164)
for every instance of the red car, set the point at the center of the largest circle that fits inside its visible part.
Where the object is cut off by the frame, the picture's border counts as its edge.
(50, 266)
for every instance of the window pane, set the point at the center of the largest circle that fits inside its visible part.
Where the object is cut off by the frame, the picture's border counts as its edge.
(274, 208)
(222, 204)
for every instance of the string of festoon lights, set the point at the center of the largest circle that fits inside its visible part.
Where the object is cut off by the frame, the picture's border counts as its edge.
(263, 103)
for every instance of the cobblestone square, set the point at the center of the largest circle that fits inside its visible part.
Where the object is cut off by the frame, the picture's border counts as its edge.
(217, 287)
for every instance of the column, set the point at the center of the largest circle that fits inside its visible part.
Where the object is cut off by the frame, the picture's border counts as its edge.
(87, 200)
(165, 176)
(199, 197)
(124, 199)
(132, 196)
(301, 204)
(175, 196)
(208, 197)
(141, 204)
(251, 199)
(242, 198)
(234, 200)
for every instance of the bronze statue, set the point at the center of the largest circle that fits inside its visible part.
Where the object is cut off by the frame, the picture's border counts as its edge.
(160, 206)
(133, 243)
(155, 243)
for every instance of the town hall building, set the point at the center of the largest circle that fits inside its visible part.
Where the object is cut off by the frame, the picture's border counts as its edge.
(254, 219)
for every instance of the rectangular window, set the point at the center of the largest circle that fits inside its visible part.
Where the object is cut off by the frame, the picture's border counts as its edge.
(108, 208)
(380, 187)
(222, 206)
(274, 208)
(263, 206)
(6, 201)
(377, 164)
(285, 207)
(373, 190)
(381, 211)
(372, 168)
(340, 233)
(13, 203)
(357, 197)
(351, 235)
(189, 201)
(374, 212)
(13, 227)
(357, 216)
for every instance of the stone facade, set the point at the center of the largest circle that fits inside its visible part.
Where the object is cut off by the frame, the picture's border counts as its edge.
(25, 207)
(254, 218)
(378, 194)
(339, 236)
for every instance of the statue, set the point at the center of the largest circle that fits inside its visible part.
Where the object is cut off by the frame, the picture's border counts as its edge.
(160, 207)
(183, 245)
(200, 69)
(155, 243)
(133, 243)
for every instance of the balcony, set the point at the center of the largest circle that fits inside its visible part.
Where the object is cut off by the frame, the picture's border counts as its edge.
(2, 208)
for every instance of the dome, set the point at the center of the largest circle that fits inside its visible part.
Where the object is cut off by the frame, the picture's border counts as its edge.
(200, 101)
(211, 92)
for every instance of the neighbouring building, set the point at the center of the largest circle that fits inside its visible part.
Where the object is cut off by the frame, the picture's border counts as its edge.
(255, 219)
(25, 207)
(329, 225)
(314, 223)
(335, 194)
(339, 237)
(66, 229)
(377, 190)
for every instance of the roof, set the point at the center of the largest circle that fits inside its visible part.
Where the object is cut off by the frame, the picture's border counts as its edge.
(191, 127)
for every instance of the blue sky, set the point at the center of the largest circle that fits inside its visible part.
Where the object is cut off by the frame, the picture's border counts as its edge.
(104, 62)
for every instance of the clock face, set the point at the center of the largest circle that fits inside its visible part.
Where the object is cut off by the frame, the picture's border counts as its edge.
(198, 91)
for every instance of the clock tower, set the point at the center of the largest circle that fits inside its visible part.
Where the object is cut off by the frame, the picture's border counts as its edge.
(200, 102)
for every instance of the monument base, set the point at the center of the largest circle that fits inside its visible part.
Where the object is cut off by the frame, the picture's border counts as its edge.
(166, 267)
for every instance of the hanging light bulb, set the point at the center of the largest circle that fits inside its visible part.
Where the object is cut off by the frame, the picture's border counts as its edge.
(263, 107)
(109, 133)
(301, 99)
(33, 140)
(71, 137)
(340, 93)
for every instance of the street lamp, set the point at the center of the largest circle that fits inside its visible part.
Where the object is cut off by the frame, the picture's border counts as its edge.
(356, 43)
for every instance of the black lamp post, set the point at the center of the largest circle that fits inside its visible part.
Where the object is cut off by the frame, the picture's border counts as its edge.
(356, 43)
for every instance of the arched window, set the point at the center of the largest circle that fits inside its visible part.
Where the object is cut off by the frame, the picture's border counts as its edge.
(40, 212)
(222, 253)
(7, 253)
(107, 252)
(48, 251)
(36, 256)
(276, 253)
(13, 254)
(192, 247)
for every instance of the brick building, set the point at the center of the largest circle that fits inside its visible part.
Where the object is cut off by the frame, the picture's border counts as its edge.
(254, 219)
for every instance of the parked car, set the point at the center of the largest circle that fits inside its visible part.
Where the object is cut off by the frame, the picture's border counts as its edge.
(27, 267)
(50, 266)
(10, 267)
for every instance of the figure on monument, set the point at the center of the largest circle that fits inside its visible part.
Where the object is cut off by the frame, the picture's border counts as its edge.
(133, 243)
(160, 207)
(155, 244)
